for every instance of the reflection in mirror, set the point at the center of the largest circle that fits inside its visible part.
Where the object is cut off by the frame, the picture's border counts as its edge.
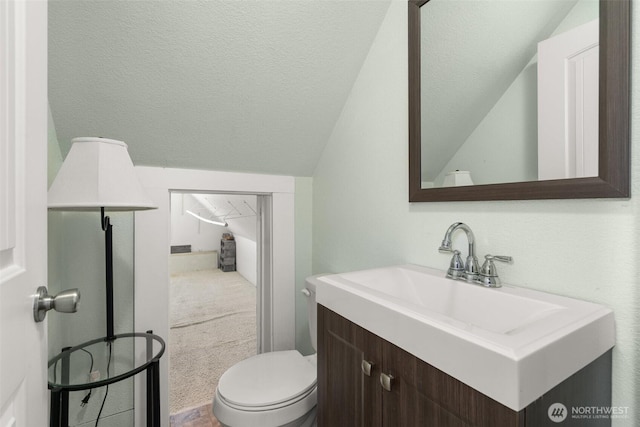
(498, 104)
(611, 123)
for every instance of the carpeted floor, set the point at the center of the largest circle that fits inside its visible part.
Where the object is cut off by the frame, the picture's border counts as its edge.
(212, 327)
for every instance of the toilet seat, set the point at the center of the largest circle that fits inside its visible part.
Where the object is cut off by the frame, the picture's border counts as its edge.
(301, 413)
(266, 408)
(268, 381)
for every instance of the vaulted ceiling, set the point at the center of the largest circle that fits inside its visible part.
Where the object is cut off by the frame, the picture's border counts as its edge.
(242, 85)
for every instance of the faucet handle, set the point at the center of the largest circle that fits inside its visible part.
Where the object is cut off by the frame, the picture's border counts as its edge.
(489, 268)
(456, 266)
(489, 272)
(456, 261)
(502, 258)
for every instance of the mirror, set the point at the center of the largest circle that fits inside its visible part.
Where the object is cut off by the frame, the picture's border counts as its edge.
(487, 101)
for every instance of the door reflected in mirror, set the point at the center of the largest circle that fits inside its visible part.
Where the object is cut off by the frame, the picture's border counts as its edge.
(509, 90)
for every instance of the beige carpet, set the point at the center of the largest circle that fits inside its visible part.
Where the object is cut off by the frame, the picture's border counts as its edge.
(212, 327)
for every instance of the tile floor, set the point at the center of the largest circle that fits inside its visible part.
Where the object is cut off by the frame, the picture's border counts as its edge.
(197, 417)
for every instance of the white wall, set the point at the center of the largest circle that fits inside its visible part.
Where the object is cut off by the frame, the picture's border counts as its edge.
(188, 230)
(303, 221)
(202, 236)
(246, 258)
(586, 249)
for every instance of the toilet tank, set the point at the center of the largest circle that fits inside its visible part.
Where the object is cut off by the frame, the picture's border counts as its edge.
(312, 310)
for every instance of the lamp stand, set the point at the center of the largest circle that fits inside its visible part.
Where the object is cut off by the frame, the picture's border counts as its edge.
(108, 243)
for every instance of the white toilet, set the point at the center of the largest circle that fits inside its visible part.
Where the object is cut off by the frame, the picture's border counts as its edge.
(276, 389)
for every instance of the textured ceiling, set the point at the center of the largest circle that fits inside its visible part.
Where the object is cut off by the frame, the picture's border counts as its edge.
(472, 50)
(224, 85)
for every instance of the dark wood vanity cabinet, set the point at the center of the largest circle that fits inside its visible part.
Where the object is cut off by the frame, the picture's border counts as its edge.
(422, 395)
(347, 396)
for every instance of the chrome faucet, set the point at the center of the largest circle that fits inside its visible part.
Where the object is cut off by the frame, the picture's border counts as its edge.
(471, 269)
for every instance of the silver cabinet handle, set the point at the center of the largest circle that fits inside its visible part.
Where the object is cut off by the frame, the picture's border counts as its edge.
(65, 302)
(385, 381)
(367, 367)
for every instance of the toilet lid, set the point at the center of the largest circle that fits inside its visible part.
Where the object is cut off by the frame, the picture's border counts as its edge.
(267, 379)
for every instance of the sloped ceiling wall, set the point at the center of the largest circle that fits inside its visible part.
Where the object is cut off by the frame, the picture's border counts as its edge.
(239, 211)
(253, 86)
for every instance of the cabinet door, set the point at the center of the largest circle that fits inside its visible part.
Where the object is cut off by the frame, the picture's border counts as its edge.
(346, 395)
(422, 395)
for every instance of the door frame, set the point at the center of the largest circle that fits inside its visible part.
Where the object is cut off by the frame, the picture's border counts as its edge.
(151, 252)
(263, 283)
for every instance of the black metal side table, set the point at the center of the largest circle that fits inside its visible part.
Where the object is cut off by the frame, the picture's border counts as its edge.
(101, 362)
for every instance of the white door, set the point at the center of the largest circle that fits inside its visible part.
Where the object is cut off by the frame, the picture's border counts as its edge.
(568, 104)
(23, 220)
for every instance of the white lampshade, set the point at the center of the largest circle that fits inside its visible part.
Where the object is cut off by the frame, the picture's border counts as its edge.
(98, 172)
(457, 178)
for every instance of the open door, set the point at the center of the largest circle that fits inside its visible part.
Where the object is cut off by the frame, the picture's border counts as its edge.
(568, 83)
(23, 210)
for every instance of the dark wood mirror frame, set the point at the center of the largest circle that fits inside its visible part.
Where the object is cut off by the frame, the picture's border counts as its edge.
(614, 123)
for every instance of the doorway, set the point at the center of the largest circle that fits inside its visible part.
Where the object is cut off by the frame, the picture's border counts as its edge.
(276, 257)
(214, 292)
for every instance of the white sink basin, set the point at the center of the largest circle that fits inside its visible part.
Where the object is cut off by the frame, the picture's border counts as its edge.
(510, 343)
